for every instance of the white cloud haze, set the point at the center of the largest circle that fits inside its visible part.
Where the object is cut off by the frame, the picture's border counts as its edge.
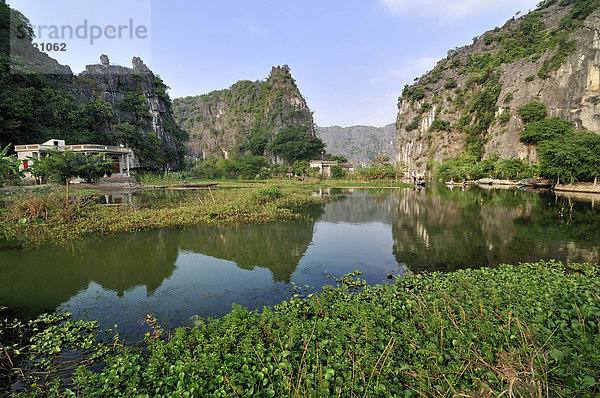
(455, 9)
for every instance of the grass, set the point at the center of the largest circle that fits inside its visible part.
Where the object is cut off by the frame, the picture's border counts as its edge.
(37, 218)
(42, 215)
(528, 330)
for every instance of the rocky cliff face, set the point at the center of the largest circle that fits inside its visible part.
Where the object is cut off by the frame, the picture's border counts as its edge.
(360, 144)
(140, 108)
(105, 104)
(223, 123)
(469, 102)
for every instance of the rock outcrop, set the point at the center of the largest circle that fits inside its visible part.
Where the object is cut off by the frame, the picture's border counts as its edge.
(105, 104)
(469, 102)
(138, 100)
(222, 123)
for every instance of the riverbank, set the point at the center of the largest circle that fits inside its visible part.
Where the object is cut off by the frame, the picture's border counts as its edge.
(525, 330)
(34, 218)
(580, 187)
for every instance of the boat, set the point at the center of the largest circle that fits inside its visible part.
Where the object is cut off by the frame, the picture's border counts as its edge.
(455, 184)
(543, 183)
(536, 183)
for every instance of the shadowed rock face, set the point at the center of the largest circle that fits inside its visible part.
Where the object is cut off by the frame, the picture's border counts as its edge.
(220, 121)
(572, 92)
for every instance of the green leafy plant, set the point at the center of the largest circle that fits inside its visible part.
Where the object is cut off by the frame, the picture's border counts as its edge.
(533, 111)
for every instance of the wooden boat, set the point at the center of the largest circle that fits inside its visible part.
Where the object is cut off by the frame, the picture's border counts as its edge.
(536, 183)
(543, 183)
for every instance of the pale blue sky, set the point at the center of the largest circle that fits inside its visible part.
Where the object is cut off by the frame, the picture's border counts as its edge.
(350, 58)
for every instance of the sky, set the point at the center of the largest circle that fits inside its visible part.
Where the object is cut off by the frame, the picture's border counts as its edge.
(350, 58)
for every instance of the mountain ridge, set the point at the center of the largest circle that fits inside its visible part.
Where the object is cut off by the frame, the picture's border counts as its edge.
(359, 143)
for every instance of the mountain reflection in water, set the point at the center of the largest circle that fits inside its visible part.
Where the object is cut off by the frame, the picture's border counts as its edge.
(175, 274)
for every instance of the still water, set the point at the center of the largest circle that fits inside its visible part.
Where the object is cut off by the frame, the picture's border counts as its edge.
(175, 274)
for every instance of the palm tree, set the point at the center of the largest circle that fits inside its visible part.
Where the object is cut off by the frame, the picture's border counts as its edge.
(9, 166)
(381, 159)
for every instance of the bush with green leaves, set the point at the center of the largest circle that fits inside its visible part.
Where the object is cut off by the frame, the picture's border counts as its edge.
(545, 129)
(376, 172)
(337, 172)
(301, 167)
(440, 125)
(9, 165)
(61, 166)
(206, 169)
(450, 83)
(468, 167)
(515, 169)
(533, 111)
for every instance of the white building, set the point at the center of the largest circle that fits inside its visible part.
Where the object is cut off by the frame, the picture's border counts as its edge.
(324, 166)
(122, 157)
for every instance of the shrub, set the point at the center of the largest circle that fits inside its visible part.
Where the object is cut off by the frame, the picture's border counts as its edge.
(337, 172)
(440, 125)
(265, 195)
(384, 172)
(414, 124)
(61, 166)
(533, 111)
(504, 116)
(514, 169)
(450, 83)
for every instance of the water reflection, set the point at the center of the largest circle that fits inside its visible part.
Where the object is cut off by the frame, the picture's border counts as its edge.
(50, 276)
(443, 230)
(179, 273)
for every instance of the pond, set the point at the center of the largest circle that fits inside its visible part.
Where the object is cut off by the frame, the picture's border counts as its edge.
(176, 274)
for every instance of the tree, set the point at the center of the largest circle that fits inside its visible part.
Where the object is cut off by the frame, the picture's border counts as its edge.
(545, 129)
(381, 159)
(571, 158)
(296, 142)
(250, 166)
(61, 166)
(301, 167)
(337, 172)
(9, 166)
(337, 158)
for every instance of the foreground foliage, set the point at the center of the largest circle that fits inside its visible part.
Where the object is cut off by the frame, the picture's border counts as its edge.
(526, 330)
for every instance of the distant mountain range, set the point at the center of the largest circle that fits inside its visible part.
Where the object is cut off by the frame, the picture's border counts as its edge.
(360, 144)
